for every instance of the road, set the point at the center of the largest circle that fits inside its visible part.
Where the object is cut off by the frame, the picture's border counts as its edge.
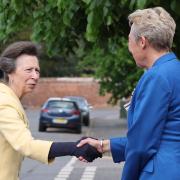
(105, 123)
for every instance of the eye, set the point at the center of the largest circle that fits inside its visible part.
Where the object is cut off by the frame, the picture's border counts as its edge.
(37, 71)
(28, 69)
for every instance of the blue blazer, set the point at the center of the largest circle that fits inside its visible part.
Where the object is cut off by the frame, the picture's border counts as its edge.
(151, 150)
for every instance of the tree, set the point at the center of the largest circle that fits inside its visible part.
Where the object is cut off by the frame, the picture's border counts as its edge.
(92, 32)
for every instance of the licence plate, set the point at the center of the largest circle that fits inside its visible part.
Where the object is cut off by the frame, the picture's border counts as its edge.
(60, 120)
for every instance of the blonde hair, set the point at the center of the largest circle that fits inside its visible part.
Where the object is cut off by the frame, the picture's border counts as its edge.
(156, 25)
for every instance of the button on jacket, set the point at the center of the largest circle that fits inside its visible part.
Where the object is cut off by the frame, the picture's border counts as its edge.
(151, 150)
(15, 138)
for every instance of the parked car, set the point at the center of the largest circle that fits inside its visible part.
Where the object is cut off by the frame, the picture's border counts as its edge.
(62, 113)
(83, 106)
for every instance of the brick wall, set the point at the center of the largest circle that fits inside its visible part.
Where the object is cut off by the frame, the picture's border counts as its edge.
(52, 87)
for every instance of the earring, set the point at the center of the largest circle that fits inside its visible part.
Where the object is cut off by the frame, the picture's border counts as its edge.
(11, 81)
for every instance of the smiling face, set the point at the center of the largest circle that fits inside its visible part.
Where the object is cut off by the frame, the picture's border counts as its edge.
(25, 77)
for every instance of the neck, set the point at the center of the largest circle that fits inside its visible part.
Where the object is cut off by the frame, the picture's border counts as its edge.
(152, 56)
(17, 92)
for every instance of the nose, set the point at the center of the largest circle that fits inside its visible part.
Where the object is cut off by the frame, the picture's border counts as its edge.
(35, 75)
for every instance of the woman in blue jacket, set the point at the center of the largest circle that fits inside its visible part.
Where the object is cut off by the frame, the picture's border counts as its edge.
(151, 149)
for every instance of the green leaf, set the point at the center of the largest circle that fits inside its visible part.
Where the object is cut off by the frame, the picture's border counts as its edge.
(17, 5)
(91, 30)
(5, 3)
(52, 3)
(67, 18)
(86, 1)
(132, 4)
(175, 6)
(109, 20)
(38, 13)
(62, 4)
(141, 3)
(105, 11)
(2, 35)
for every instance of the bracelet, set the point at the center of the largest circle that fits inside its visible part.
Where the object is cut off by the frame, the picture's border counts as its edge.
(101, 144)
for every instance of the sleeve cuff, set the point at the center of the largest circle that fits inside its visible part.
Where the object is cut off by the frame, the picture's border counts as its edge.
(117, 146)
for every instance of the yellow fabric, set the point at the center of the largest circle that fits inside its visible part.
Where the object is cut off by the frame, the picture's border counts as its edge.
(16, 140)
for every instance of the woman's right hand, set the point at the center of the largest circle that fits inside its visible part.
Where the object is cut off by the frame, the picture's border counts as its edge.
(91, 141)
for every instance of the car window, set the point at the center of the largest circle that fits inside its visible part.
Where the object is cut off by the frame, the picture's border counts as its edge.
(80, 102)
(61, 104)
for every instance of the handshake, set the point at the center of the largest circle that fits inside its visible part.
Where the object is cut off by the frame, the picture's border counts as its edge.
(86, 149)
(86, 152)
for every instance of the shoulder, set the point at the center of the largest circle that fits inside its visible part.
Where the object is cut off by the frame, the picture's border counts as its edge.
(154, 77)
(166, 68)
(6, 98)
(9, 102)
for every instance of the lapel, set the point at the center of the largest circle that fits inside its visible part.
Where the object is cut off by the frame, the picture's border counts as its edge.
(163, 59)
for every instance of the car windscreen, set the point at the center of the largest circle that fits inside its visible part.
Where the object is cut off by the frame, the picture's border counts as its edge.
(61, 104)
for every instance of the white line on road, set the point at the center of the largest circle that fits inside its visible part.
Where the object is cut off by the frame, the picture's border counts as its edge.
(89, 173)
(66, 170)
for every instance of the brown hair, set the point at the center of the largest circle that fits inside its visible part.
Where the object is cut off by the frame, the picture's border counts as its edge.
(12, 52)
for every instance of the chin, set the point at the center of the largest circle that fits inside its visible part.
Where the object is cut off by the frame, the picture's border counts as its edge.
(29, 91)
(140, 65)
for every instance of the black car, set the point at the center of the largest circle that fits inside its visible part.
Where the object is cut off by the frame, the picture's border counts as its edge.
(83, 106)
(60, 112)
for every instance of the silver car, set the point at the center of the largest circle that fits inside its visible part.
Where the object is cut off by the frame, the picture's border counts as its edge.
(83, 106)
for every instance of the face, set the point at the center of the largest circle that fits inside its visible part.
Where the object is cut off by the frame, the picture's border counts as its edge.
(24, 79)
(136, 48)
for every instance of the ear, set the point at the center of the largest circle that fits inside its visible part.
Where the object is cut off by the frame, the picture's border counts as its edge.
(10, 76)
(10, 79)
(143, 42)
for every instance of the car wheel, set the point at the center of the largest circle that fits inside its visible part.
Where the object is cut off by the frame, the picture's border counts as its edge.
(86, 121)
(42, 127)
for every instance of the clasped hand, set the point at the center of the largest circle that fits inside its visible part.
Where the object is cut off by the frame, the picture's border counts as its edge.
(86, 152)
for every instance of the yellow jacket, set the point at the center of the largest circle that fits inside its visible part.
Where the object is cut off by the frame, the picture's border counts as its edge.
(16, 140)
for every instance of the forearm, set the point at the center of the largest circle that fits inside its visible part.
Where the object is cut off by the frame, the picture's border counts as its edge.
(70, 149)
(61, 149)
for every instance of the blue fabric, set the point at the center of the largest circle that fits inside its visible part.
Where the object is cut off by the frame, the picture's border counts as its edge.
(152, 148)
(118, 149)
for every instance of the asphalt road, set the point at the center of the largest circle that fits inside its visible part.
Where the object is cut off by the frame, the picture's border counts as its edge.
(105, 123)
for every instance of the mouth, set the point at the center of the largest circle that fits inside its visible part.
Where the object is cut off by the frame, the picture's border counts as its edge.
(32, 85)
